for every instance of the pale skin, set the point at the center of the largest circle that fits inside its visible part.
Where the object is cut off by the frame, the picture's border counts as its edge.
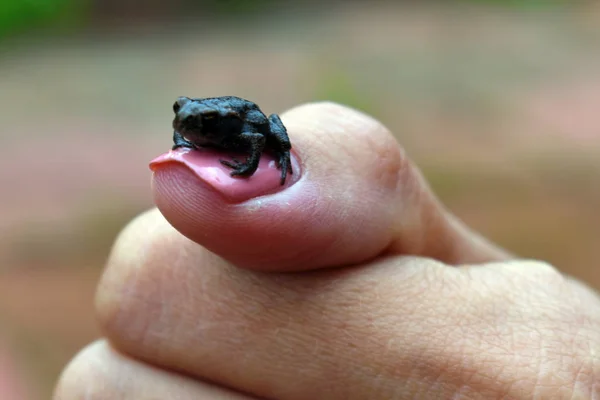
(362, 287)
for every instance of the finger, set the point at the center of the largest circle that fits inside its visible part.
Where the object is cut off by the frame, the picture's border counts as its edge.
(99, 372)
(353, 195)
(388, 330)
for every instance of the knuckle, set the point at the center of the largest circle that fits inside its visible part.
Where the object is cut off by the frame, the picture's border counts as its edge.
(543, 271)
(86, 376)
(129, 274)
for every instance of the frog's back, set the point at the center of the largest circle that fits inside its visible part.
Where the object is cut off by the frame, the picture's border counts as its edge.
(231, 102)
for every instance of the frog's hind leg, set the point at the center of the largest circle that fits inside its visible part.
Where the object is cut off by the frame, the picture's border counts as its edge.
(256, 143)
(281, 145)
(279, 133)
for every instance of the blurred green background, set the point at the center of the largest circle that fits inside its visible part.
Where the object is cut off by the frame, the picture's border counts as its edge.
(497, 101)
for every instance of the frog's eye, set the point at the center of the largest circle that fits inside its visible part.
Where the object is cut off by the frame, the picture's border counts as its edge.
(181, 101)
(210, 115)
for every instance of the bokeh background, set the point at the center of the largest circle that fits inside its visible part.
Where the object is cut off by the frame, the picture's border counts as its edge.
(497, 101)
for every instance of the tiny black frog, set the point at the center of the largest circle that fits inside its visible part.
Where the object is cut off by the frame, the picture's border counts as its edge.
(232, 123)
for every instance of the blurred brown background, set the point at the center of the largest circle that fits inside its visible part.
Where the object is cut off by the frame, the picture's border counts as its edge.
(497, 101)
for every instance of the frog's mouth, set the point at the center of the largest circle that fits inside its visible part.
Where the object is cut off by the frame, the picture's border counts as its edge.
(195, 135)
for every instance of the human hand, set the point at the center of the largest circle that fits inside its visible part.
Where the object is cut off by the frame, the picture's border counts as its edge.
(352, 282)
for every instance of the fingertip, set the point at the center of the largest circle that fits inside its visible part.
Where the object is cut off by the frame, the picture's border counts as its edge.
(334, 210)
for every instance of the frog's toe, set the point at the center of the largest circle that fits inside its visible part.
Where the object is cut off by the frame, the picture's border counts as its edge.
(235, 164)
(285, 164)
(183, 145)
(239, 168)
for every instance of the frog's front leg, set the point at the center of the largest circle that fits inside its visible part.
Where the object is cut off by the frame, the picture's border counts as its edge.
(179, 141)
(256, 143)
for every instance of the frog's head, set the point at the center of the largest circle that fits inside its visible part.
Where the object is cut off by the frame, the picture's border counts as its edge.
(192, 117)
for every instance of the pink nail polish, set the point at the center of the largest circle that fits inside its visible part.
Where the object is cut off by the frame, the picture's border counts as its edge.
(206, 165)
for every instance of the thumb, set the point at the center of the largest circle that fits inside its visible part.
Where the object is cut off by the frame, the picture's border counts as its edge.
(353, 195)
